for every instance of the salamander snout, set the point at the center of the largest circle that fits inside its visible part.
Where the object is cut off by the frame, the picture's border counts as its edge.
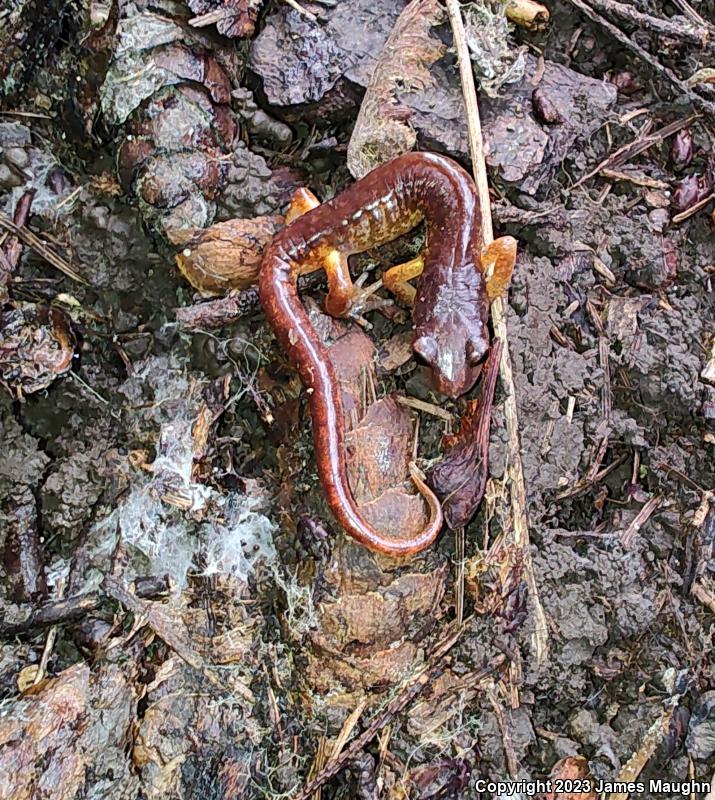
(454, 363)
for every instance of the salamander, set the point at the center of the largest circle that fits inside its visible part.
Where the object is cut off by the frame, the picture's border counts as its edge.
(457, 278)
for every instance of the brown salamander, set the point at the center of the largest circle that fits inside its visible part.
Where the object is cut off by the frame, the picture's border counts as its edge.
(457, 277)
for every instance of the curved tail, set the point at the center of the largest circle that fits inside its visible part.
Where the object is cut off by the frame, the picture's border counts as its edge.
(291, 324)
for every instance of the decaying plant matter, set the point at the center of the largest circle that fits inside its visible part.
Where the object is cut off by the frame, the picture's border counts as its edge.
(382, 129)
(235, 19)
(36, 346)
(171, 95)
(460, 477)
(225, 256)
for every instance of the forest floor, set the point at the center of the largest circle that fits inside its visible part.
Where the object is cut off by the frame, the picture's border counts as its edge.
(179, 614)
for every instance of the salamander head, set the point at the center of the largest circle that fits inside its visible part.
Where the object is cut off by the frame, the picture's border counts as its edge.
(456, 363)
(451, 334)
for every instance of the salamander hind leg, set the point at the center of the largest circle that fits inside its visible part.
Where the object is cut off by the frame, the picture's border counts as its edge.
(497, 263)
(303, 200)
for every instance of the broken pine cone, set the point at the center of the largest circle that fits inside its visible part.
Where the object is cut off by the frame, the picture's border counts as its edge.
(36, 346)
(168, 91)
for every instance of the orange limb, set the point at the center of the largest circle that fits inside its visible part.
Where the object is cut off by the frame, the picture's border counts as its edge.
(497, 263)
(341, 291)
(396, 279)
(303, 200)
(345, 298)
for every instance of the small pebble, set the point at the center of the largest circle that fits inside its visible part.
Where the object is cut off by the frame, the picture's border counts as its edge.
(17, 156)
(659, 218)
(9, 179)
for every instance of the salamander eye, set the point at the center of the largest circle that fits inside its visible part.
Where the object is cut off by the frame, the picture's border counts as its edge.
(476, 350)
(425, 349)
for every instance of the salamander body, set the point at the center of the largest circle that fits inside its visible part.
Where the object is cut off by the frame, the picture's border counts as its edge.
(451, 303)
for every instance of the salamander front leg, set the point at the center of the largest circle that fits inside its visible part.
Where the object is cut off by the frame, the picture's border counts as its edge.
(497, 263)
(303, 200)
(345, 298)
(396, 279)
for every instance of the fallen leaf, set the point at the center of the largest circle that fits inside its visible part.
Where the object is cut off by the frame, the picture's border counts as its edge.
(461, 476)
(382, 130)
(396, 352)
(571, 768)
(36, 346)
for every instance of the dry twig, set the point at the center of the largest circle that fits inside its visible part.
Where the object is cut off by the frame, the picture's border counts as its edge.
(689, 212)
(519, 532)
(346, 730)
(33, 241)
(640, 520)
(427, 408)
(50, 641)
(654, 736)
(697, 34)
(73, 608)
(689, 11)
(635, 147)
(152, 614)
(304, 11)
(512, 762)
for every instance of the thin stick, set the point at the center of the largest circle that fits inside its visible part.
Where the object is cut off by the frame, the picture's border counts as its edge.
(664, 26)
(635, 147)
(155, 616)
(692, 210)
(29, 114)
(512, 763)
(51, 638)
(304, 11)
(459, 584)
(347, 729)
(26, 236)
(427, 408)
(204, 20)
(689, 11)
(640, 520)
(71, 609)
(514, 471)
